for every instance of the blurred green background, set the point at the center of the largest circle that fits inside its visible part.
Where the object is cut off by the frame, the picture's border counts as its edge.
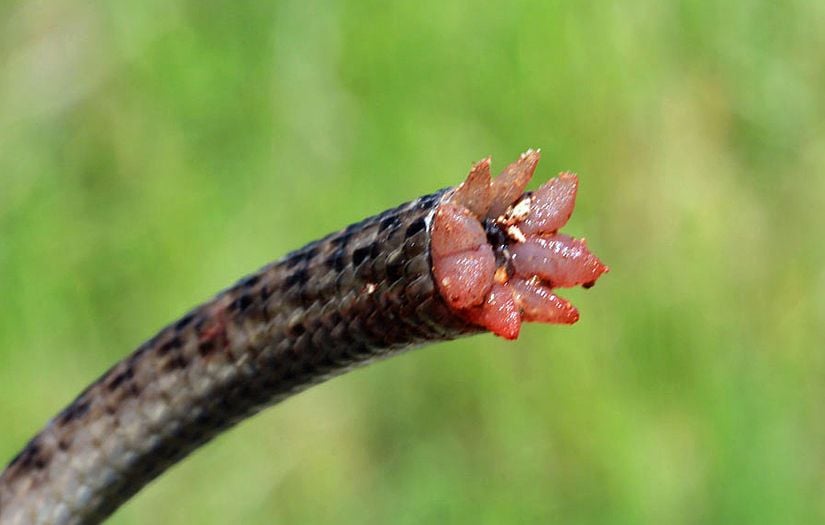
(152, 152)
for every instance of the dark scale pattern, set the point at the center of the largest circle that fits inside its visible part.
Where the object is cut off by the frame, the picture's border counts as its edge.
(355, 296)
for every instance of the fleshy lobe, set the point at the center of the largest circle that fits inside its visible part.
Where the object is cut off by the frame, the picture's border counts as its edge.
(497, 254)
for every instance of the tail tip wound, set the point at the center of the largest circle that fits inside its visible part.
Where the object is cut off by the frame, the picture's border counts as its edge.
(497, 254)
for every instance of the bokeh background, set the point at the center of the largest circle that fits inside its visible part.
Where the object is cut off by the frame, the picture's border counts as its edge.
(152, 152)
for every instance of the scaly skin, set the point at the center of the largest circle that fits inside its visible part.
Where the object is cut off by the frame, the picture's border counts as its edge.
(357, 295)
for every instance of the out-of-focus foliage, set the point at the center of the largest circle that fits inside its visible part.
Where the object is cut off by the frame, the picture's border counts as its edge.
(152, 152)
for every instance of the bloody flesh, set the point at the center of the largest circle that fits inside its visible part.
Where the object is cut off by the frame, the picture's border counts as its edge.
(497, 252)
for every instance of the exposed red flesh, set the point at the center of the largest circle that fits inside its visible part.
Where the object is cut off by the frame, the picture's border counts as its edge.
(499, 313)
(552, 205)
(466, 277)
(558, 259)
(508, 187)
(474, 193)
(465, 263)
(455, 230)
(538, 303)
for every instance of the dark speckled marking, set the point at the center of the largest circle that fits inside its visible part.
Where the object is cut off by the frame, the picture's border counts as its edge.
(415, 227)
(342, 240)
(336, 260)
(199, 324)
(301, 256)
(389, 222)
(185, 320)
(395, 270)
(375, 249)
(294, 260)
(175, 363)
(30, 448)
(168, 346)
(137, 356)
(133, 390)
(242, 303)
(298, 277)
(250, 281)
(360, 254)
(118, 380)
(31, 457)
(142, 349)
(72, 412)
(207, 347)
(427, 201)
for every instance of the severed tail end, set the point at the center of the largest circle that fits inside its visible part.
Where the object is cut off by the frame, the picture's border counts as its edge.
(497, 252)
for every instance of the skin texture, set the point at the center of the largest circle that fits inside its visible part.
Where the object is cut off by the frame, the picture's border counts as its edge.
(419, 273)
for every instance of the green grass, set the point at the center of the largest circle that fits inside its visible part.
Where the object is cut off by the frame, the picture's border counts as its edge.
(152, 152)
